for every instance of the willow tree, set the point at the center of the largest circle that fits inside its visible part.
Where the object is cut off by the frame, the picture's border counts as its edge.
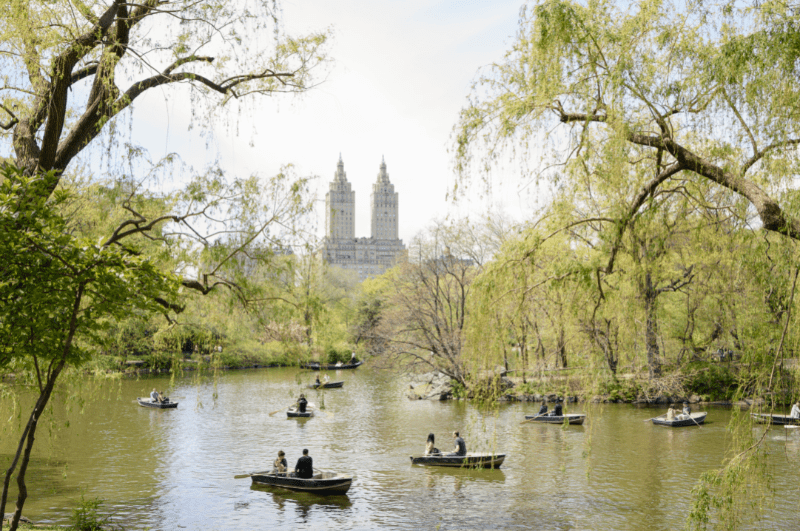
(700, 92)
(71, 67)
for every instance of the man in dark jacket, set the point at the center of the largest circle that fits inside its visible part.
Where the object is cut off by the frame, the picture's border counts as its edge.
(302, 403)
(305, 466)
(558, 410)
(543, 409)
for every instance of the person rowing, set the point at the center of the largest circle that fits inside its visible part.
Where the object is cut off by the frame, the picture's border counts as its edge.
(156, 397)
(460, 446)
(795, 414)
(558, 410)
(317, 383)
(305, 466)
(302, 403)
(542, 410)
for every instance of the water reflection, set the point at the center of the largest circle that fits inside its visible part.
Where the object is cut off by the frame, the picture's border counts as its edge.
(443, 477)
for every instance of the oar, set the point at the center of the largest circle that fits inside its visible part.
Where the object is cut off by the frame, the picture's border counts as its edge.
(281, 409)
(691, 417)
(240, 476)
(534, 418)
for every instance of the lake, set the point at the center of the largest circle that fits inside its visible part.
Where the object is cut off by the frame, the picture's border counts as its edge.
(173, 469)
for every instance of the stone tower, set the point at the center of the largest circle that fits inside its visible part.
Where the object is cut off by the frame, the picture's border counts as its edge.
(340, 206)
(384, 207)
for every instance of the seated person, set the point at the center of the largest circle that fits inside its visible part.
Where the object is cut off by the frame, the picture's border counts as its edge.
(558, 410)
(795, 414)
(305, 466)
(280, 465)
(543, 409)
(430, 449)
(326, 378)
(317, 382)
(302, 403)
(155, 396)
(686, 414)
(671, 413)
(353, 358)
(461, 446)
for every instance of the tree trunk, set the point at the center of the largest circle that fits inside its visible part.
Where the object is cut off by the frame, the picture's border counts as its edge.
(651, 328)
(30, 429)
(561, 349)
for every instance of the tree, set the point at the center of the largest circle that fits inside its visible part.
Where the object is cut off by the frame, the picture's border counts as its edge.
(698, 93)
(85, 281)
(55, 290)
(71, 67)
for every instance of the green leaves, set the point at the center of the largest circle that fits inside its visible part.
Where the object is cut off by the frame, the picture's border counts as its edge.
(53, 282)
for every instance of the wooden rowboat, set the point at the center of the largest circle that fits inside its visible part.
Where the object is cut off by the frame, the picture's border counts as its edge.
(293, 413)
(466, 461)
(697, 419)
(166, 404)
(320, 483)
(316, 366)
(572, 418)
(326, 385)
(782, 420)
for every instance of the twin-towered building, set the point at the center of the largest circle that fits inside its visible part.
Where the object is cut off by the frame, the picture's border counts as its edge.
(367, 256)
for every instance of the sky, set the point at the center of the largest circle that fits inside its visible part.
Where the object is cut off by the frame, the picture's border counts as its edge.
(401, 72)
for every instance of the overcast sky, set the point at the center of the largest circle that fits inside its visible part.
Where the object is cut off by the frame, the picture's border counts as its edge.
(401, 73)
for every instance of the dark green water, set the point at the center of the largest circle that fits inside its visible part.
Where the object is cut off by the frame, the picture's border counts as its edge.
(173, 469)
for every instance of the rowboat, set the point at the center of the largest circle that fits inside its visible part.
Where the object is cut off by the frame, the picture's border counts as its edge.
(695, 420)
(466, 461)
(326, 385)
(316, 366)
(293, 413)
(166, 404)
(320, 483)
(572, 418)
(767, 418)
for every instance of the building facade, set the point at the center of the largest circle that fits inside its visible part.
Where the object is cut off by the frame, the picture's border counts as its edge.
(366, 256)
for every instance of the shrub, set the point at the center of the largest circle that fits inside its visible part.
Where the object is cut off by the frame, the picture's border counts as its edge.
(86, 518)
(714, 381)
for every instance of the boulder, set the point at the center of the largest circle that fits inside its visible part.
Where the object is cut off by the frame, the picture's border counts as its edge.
(431, 385)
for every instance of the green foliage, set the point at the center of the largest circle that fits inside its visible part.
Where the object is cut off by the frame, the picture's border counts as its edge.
(459, 389)
(85, 517)
(335, 355)
(619, 390)
(711, 381)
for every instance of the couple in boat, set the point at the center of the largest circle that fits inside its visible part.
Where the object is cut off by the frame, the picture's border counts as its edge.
(459, 450)
(558, 410)
(686, 414)
(304, 469)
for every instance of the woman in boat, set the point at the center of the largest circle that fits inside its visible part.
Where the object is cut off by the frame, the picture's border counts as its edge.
(280, 465)
(461, 446)
(671, 413)
(430, 449)
(326, 378)
(795, 414)
(317, 382)
(305, 466)
(543, 409)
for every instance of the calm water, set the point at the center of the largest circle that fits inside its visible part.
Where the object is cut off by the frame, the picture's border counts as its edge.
(173, 469)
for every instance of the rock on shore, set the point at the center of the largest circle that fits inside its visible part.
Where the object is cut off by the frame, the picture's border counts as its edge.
(430, 386)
